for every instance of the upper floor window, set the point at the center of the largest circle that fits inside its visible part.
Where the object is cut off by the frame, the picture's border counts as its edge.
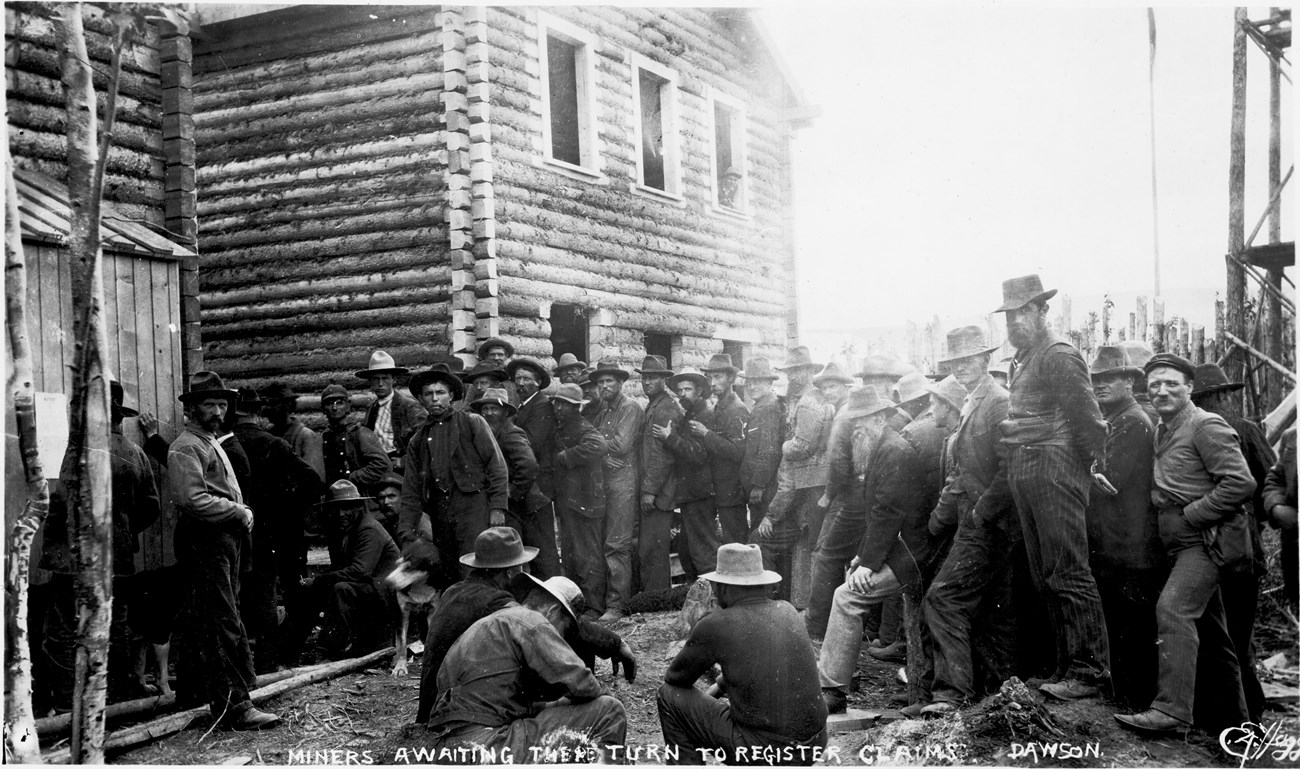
(729, 181)
(655, 95)
(568, 101)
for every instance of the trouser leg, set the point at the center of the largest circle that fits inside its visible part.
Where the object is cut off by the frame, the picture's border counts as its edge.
(811, 517)
(840, 537)
(701, 534)
(620, 533)
(734, 520)
(1240, 594)
(585, 558)
(257, 610)
(778, 551)
(224, 664)
(652, 549)
(60, 640)
(539, 531)
(838, 658)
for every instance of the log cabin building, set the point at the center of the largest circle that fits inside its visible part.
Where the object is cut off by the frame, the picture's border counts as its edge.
(604, 181)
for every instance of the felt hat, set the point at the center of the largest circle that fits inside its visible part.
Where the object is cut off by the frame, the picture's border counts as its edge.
(1172, 361)
(612, 369)
(758, 368)
(438, 372)
(690, 375)
(498, 548)
(1138, 352)
(495, 341)
(1018, 292)
(381, 363)
(741, 565)
(654, 365)
(278, 391)
(964, 342)
(832, 373)
(1002, 367)
(565, 591)
(567, 361)
(543, 376)
(570, 393)
(1112, 360)
(798, 357)
(720, 363)
(390, 479)
(950, 390)
(449, 363)
(249, 401)
(584, 379)
(207, 384)
(333, 391)
(880, 365)
(911, 386)
(864, 401)
(485, 368)
(342, 493)
(118, 397)
(496, 396)
(1210, 379)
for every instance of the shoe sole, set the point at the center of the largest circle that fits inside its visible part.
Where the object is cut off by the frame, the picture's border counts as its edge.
(255, 727)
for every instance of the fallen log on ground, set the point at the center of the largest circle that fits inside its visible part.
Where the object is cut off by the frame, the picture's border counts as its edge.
(176, 722)
(56, 725)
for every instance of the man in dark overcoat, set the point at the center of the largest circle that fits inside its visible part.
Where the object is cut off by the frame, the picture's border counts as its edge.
(281, 403)
(536, 418)
(580, 496)
(392, 416)
(352, 452)
(693, 489)
(725, 440)
(619, 422)
(656, 475)
(764, 434)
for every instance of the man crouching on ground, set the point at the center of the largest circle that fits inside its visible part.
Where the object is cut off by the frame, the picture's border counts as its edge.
(511, 681)
(769, 674)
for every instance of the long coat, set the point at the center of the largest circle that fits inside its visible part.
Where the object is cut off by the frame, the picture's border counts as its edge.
(656, 462)
(579, 480)
(692, 471)
(1122, 530)
(976, 455)
(619, 422)
(902, 485)
(521, 465)
(763, 436)
(726, 444)
(803, 455)
(537, 418)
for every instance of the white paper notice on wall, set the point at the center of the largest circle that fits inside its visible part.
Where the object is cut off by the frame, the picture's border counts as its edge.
(51, 431)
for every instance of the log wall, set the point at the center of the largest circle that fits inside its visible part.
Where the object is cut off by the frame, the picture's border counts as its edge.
(133, 181)
(322, 179)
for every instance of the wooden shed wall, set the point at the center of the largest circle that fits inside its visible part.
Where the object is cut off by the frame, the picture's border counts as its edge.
(680, 269)
(135, 176)
(142, 315)
(321, 179)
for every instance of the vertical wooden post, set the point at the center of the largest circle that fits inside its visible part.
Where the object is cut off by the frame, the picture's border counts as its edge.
(1157, 337)
(1271, 319)
(1107, 308)
(180, 195)
(1236, 283)
(1140, 329)
(1221, 347)
(1198, 344)
(1183, 339)
(1132, 325)
(458, 211)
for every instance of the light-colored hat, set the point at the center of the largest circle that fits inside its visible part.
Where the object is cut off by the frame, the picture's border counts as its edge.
(880, 365)
(832, 373)
(911, 386)
(381, 363)
(568, 361)
(758, 368)
(570, 393)
(964, 342)
(565, 591)
(1113, 360)
(798, 357)
(496, 396)
(864, 401)
(498, 548)
(950, 390)
(495, 341)
(690, 375)
(741, 565)
(342, 493)
(1018, 292)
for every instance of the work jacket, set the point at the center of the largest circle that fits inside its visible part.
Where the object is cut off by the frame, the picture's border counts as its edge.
(537, 418)
(580, 451)
(656, 464)
(726, 444)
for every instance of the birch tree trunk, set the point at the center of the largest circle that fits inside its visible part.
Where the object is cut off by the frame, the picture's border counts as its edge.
(86, 468)
(20, 721)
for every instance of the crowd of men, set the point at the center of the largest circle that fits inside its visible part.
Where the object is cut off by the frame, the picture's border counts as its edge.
(938, 519)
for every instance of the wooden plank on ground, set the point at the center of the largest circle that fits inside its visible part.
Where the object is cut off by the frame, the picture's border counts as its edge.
(1279, 693)
(853, 719)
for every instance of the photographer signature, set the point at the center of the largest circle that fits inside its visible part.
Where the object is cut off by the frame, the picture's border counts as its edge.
(1252, 741)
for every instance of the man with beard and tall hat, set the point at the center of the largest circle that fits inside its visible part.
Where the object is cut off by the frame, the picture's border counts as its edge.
(656, 474)
(1053, 434)
(693, 488)
(455, 473)
(526, 497)
(212, 534)
(725, 440)
(619, 422)
(392, 416)
(536, 418)
(580, 450)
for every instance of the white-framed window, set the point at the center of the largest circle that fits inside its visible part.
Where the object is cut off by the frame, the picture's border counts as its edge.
(730, 180)
(568, 94)
(654, 96)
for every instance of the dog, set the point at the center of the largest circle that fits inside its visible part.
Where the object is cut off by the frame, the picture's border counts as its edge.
(416, 596)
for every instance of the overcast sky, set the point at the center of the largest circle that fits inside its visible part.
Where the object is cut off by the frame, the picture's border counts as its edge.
(958, 147)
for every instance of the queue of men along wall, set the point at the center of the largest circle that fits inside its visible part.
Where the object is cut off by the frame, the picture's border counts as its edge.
(1121, 499)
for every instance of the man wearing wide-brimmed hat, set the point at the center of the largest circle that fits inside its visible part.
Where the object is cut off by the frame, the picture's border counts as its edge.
(352, 594)
(527, 501)
(655, 466)
(580, 450)
(536, 418)
(882, 371)
(1127, 558)
(392, 416)
(352, 452)
(619, 422)
(282, 487)
(486, 375)
(764, 434)
(1053, 433)
(502, 666)
(725, 440)
(1200, 489)
(568, 369)
(967, 605)
(1214, 393)
(281, 403)
(212, 534)
(455, 472)
(135, 507)
(901, 484)
(496, 351)
(693, 488)
(769, 674)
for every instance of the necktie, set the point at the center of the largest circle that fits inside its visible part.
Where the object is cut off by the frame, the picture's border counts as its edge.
(1162, 432)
